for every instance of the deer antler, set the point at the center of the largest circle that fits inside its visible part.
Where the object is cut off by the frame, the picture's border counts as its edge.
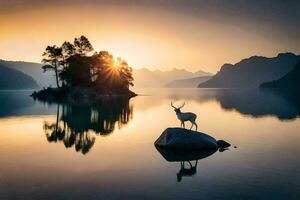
(172, 105)
(182, 105)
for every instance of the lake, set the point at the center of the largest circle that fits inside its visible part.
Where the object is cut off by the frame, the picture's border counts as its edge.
(106, 151)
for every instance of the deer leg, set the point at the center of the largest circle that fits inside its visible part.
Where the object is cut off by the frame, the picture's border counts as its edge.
(183, 124)
(196, 125)
(192, 125)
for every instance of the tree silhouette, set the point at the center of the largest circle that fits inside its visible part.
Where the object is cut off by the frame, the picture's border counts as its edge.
(68, 50)
(125, 73)
(82, 45)
(78, 71)
(52, 58)
(76, 67)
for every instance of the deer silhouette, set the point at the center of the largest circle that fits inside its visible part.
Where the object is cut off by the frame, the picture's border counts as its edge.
(186, 171)
(185, 116)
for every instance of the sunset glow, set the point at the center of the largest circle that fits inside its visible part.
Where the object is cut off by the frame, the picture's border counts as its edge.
(149, 99)
(144, 34)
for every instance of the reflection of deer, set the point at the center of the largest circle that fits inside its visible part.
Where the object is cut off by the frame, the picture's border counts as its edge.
(183, 117)
(186, 171)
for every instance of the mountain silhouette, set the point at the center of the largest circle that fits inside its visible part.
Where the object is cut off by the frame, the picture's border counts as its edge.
(11, 79)
(251, 72)
(187, 83)
(148, 78)
(32, 69)
(290, 80)
(143, 77)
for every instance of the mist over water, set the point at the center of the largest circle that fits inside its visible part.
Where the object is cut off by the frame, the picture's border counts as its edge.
(106, 151)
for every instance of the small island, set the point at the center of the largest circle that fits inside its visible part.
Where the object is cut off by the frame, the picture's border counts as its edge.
(83, 75)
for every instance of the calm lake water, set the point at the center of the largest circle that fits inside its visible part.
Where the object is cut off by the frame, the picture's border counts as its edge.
(50, 151)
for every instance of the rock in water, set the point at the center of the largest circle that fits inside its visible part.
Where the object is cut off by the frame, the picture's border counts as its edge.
(179, 138)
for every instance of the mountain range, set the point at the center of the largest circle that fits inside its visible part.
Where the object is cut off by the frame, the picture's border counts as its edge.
(279, 71)
(32, 69)
(187, 83)
(290, 80)
(143, 77)
(12, 79)
(147, 78)
(251, 72)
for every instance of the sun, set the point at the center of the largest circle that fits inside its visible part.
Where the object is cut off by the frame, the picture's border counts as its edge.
(135, 53)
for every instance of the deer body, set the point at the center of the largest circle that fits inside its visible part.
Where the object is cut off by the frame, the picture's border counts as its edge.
(185, 116)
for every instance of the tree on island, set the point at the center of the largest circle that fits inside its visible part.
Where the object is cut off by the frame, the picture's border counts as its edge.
(77, 65)
(52, 58)
(82, 46)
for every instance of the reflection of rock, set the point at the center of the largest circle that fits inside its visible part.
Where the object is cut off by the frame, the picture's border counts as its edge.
(77, 125)
(185, 157)
(182, 145)
(183, 139)
(176, 155)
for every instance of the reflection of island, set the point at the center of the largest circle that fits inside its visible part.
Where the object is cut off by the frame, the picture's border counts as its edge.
(185, 158)
(77, 125)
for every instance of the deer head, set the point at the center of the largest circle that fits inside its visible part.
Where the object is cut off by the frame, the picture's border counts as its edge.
(177, 109)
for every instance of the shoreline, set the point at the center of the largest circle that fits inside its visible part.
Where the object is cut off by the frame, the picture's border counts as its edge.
(78, 95)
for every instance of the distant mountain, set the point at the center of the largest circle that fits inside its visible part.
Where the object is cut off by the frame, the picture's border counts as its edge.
(187, 83)
(290, 80)
(202, 73)
(12, 79)
(143, 77)
(251, 72)
(32, 69)
(148, 78)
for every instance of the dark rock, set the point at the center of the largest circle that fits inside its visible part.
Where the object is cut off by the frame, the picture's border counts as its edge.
(183, 139)
(223, 149)
(223, 144)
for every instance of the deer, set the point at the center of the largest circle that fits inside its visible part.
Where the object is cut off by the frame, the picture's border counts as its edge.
(185, 116)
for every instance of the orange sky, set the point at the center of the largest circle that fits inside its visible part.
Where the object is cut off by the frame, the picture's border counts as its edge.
(146, 36)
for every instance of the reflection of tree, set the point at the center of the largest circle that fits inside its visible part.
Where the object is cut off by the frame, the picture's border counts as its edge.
(77, 125)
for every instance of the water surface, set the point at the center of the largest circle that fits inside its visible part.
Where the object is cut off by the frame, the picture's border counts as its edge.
(106, 151)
